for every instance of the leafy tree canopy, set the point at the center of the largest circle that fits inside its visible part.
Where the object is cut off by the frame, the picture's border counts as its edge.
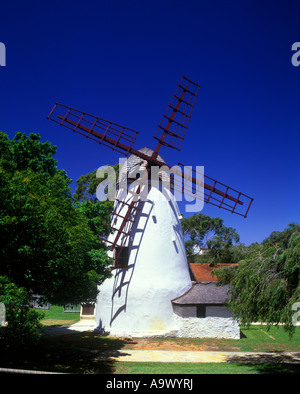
(49, 245)
(24, 153)
(87, 185)
(204, 231)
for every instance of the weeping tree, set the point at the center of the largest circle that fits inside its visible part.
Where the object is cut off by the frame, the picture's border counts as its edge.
(265, 286)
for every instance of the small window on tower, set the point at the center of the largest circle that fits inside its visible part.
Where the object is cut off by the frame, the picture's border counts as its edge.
(121, 257)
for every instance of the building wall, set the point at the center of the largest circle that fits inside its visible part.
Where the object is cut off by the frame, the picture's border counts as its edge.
(185, 311)
(210, 311)
(217, 311)
(208, 327)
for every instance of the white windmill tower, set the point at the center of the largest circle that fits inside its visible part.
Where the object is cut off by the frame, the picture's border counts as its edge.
(150, 266)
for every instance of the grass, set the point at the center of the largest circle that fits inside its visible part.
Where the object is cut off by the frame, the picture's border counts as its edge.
(56, 316)
(205, 368)
(80, 352)
(259, 339)
(255, 338)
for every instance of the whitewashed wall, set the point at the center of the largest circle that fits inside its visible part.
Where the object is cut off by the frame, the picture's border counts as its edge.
(137, 301)
(208, 327)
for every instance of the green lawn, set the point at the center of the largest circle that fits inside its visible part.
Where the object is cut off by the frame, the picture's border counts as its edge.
(79, 352)
(255, 338)
(259, 339)
(205, 368)
(56, 316)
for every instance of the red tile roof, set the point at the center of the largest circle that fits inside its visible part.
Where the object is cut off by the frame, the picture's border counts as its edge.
(202, 271)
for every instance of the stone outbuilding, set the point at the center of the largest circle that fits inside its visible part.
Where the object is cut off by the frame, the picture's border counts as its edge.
(201, 312)
(203, 300)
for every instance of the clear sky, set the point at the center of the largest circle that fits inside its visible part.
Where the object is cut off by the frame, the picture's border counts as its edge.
(122, 60)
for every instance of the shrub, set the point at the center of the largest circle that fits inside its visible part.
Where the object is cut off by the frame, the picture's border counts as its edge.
(23, 322)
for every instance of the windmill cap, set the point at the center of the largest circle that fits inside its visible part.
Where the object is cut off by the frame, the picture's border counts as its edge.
(135, 164)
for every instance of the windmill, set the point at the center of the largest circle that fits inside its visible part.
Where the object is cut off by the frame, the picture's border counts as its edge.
(146, 242)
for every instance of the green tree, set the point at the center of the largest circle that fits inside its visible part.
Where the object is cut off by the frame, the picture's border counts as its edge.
(221, 246)
(48, 244)
(23, 323)
(23, 153)
(204, 231)
(266, 283)
(199, 228)
(87, 185)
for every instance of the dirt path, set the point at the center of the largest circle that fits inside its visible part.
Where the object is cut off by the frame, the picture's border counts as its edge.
(169, 344)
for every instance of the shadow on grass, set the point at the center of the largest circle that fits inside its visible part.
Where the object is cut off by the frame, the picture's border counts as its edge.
(272, 363)
(63, 350)
(67, 352)
(258, 358)
(267, 368)
(278, 368)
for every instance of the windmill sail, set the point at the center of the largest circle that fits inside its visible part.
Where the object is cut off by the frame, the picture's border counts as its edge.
(110, 134)
(121, 139)
(172, 128)
(200, 186)
(146, 238)
(170, 133)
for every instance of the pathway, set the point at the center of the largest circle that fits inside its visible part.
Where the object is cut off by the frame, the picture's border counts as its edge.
(181, 356)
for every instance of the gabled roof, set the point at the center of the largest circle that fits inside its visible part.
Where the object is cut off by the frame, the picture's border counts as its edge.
(204, 293)
(202, 271)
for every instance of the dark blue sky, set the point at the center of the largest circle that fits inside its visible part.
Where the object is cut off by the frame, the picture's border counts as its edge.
(122, 60)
